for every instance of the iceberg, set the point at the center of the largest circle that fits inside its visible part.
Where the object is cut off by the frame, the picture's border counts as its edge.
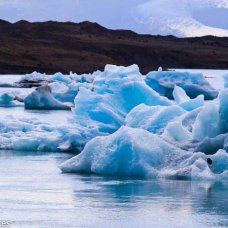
(128, 152)
(132, 152)
(42, 98)
(115, 92)
(194, 84)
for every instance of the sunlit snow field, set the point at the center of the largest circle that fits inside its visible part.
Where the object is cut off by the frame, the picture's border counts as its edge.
(34, 192)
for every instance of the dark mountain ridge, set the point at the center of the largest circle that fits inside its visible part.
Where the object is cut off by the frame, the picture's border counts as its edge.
(85, 47)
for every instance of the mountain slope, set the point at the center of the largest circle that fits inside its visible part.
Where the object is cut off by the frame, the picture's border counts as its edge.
(185, 18)
(85, 47)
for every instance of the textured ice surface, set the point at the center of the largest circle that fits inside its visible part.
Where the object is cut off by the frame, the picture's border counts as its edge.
(207, 122)
(185, 101)
(152, 118)
(107, 104)
(42, 98)
(223, 110)
(225, 77)
(138, 153)
(35, 76)
(194, 84)
(7, 100)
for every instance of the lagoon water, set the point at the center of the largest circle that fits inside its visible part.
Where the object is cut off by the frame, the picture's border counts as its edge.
(34, 192)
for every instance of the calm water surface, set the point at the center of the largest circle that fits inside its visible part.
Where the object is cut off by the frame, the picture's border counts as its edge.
(34, 193)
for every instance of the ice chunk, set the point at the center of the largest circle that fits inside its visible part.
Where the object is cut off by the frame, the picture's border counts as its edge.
(7, 99)
(58, 87)
(179, 95)
(42, 98)
(212, 145)
(177, 132)
(127, 152)
(134, 153)
(194, 84)
(207, 122)
(223, 110)
(71, 92)
(220, 162)
(225, 77)
(115, 93)
(34, 77)
(152, 118)
(59, 77)
(186, 102)
(193, 103)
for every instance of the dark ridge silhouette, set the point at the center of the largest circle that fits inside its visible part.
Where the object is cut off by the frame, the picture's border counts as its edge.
(85, 47)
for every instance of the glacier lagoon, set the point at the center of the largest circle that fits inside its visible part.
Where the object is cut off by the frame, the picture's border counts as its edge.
(33, 183)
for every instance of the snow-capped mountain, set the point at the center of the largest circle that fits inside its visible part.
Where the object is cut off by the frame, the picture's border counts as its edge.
(183, 18)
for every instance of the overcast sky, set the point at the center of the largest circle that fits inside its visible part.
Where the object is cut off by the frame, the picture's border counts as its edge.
(144, 16)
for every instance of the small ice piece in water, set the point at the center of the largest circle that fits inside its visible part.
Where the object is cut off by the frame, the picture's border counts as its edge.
(7, 100)
(42, 98)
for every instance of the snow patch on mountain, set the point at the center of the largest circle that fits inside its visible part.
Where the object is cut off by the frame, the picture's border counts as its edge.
(167, 17)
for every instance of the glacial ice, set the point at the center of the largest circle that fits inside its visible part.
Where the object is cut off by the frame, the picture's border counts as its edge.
(176, 131)
(223, 110)
(185, 101)
(194, 84)
(42, 98)
(206, 123)
(135, 152)
(7, 99)
(152, 118)
(35, 76)
(107, 104)
(225, 77)
(125, 125)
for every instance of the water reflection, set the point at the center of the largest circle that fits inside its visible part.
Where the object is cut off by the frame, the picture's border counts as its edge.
(35, 193)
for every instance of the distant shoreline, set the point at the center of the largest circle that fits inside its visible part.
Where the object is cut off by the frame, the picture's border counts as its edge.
(50, 47)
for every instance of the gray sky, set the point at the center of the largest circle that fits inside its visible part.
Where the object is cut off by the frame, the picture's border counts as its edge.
(143, 16)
